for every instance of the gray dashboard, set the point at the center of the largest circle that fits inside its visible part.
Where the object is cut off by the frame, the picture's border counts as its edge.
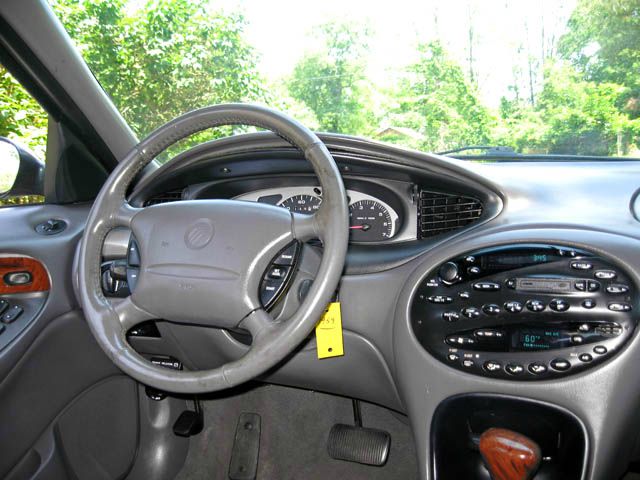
(588, 205)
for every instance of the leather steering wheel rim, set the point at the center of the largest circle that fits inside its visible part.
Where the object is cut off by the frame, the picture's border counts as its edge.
(109, 321)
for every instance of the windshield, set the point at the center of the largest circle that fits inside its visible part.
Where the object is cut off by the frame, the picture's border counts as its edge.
(547, 77)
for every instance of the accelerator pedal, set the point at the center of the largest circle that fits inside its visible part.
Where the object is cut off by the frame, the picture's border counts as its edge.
(355, 443)
(246, 447)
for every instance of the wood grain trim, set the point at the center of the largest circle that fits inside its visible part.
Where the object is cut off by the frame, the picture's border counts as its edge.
(39, 275)
(509, 455)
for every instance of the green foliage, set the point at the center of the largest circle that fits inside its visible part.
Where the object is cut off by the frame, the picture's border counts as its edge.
(603, 42)
(164, 58)
(331, 82)
(439, 102)
(21, 118)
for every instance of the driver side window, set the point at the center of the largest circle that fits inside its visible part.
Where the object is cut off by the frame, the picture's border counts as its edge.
(23, 141)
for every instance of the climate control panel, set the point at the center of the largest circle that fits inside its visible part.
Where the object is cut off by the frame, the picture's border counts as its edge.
(525, 312)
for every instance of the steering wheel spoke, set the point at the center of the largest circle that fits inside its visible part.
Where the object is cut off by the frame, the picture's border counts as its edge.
(123, 216)
(260, 325)
(305, 227)
(128, 313)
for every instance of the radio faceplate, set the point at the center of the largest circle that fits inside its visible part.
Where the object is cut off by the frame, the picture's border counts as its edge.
(525, 312)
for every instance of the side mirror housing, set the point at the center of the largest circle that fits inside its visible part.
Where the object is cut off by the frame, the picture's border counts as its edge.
(21, 172)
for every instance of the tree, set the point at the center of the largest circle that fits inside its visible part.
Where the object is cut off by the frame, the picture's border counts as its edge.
(603, 43)
(330, 82)
(437, 100)
(165, 58)
(21, 117)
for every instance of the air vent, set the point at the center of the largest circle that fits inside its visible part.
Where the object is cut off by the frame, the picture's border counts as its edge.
(442, 212)
(165, 197)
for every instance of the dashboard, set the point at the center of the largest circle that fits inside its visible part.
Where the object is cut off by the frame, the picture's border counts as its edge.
(508, 289)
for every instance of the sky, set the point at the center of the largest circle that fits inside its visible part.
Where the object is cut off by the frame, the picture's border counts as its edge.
(506, 34)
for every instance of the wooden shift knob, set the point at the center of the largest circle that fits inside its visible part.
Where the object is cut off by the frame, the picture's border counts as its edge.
(509, 455)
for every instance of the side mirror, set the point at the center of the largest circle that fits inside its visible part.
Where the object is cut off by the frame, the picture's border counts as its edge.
(21, 172)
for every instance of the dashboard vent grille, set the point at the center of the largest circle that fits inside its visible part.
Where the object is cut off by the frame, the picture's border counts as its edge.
(442, 212)
(165, 197)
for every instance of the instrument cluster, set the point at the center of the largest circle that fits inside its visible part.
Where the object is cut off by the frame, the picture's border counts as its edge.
(371, 220)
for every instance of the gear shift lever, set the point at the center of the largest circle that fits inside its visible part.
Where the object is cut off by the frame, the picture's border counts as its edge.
(509, 455)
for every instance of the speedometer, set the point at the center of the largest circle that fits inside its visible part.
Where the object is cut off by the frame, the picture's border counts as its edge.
(302, 204)
(370, 221)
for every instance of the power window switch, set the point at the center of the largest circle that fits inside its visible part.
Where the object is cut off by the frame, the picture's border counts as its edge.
(12, 314)
(3, 306)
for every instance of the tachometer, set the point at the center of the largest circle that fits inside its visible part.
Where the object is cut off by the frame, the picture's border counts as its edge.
(302, 203)
(370, 221)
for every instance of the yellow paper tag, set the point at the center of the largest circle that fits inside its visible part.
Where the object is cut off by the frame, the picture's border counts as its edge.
(329, 333)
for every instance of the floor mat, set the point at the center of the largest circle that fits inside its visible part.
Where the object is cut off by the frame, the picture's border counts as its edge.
(295, 426)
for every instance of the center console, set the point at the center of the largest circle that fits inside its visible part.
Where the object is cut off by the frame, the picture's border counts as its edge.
(525, 312)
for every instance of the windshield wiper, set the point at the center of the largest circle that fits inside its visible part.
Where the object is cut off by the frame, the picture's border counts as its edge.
(490, 150)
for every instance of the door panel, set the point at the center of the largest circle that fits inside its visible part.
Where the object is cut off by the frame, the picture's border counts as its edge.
(54, 378)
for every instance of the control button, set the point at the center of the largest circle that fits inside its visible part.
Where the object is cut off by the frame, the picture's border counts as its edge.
(453, 357)
(167, 362)
(464, 295)
(432, 282)
(492, 366)
(511, 283)
(286, 256)
(609, 329)
(619, 307)
(589, 303)
(600, 349)
(585, 357)
(470, 259)
(278, 272)
(593, 286)
(617, 288)
(473, 270)
(269, 290)
(451, 316)
(449, 273)
(537, 368)
(560, 364)
(489, 333)
(581, 265)
(133, 257)
(584, 327)
(514, 369)
(580, 285)
(132, 278)
(12, 313)
(3, 306)
(460, 340)
(605, 274)
(577, 339)
(440, 299)
(491, 309)
(558, 305)
(471, 312)
(486, 286)
(513, 307)
(468, 363)
(535, 305)
(17, 278)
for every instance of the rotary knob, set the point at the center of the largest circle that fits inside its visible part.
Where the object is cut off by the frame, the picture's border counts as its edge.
(449, 273)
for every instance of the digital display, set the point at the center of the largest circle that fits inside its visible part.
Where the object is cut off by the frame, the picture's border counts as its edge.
(535, 339)
(502, 260)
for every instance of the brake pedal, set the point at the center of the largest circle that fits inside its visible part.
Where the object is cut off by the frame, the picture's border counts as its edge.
(355, 443)
(190, 422)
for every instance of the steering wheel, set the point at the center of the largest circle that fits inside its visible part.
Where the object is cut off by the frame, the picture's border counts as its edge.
(202, 261)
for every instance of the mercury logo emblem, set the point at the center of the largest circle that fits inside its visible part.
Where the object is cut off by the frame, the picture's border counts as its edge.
(199, 234)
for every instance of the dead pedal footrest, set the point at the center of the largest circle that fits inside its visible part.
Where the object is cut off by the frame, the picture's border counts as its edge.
(246, 447)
